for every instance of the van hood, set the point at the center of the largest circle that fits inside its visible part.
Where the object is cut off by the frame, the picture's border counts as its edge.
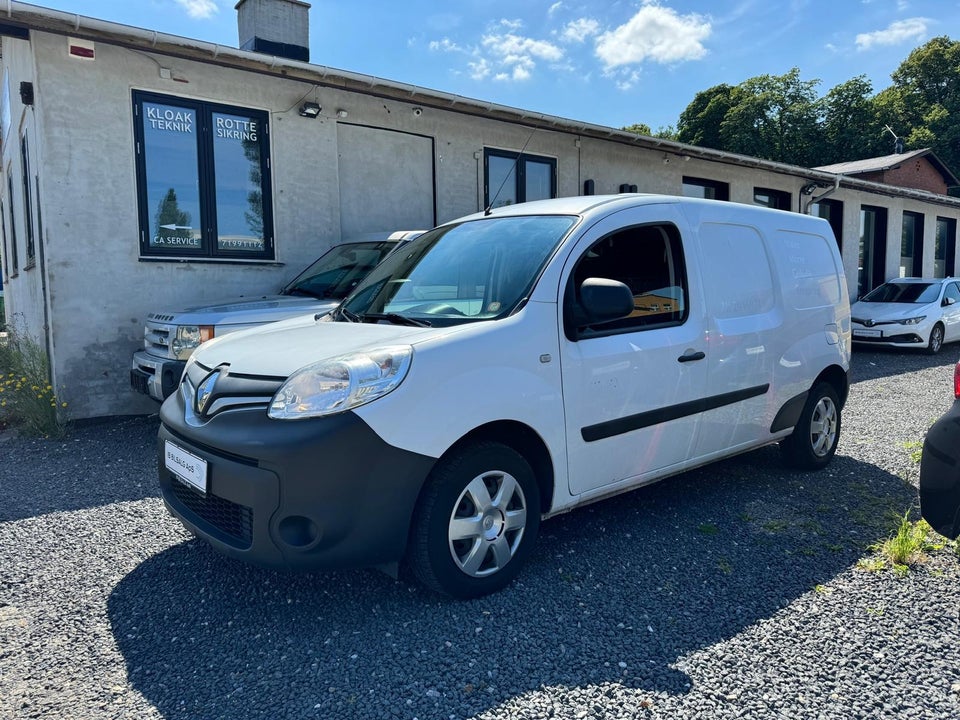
(279, 349)
(881, 311)
(246, 310)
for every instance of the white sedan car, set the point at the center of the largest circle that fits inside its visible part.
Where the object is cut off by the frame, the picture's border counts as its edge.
(909, 312)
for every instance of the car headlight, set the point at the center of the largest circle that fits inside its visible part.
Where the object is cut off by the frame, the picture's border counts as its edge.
(341, 383)
(913, 321)
(188, 339)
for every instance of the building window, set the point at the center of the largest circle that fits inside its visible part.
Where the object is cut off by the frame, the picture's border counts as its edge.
(873, 248)
(776, 199)
(14, 261)
(511, 178)
(27, 202)
(203, 179)
(703, 188)
(832, 212)
(945, 250)
(911, 245)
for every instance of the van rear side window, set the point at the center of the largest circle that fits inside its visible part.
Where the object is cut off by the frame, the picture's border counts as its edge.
(736, 270)
(649, 260)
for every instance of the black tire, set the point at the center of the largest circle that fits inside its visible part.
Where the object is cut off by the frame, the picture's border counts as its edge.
(496, 539)
(814, 440)
(936, 340)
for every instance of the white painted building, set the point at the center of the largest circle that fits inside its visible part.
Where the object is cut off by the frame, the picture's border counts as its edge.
(143, 171)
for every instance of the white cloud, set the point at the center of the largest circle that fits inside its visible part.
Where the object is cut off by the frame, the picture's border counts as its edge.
(200, 9)
(517, 56)
(897, 33)
(553, 8)
(512, 25)
(480, 69)
(445, 45)
(579, 30)
(654, 33)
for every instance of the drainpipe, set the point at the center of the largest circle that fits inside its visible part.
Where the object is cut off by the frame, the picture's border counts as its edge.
(831, 191)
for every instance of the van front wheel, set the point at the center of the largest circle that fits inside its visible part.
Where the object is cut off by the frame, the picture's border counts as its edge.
(476, 522)
(814, 440)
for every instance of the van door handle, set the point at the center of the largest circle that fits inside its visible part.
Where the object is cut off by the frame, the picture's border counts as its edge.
(691, 356)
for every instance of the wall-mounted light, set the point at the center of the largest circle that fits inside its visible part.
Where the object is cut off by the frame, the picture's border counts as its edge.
(341, 113)
(310, 110)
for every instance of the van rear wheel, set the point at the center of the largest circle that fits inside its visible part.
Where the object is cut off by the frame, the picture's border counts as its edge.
(476, 522)
(814, 440)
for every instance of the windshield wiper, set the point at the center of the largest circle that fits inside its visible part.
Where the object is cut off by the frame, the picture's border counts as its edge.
(348, 315)
(396, 319)
(304, 293)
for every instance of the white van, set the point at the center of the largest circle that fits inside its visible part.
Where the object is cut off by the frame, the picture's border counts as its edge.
(505, 368)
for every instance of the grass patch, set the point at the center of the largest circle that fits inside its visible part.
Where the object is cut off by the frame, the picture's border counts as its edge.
(27, 399)
(916, 450)
(708, 529)
(908, 543)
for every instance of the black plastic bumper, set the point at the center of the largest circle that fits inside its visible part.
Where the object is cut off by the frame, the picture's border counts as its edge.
(940, 474)
(306, 494)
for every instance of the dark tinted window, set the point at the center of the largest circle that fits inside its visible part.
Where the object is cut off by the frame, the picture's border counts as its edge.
(904, 293)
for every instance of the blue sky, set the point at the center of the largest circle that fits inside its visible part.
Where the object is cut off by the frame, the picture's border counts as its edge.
(613, 62)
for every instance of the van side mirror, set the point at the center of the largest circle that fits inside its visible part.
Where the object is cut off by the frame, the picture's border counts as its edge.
(603, 300)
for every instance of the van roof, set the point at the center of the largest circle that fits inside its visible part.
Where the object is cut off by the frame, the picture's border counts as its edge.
(584, 204)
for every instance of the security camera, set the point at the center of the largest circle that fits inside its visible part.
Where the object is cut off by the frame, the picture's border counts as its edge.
(417, 112)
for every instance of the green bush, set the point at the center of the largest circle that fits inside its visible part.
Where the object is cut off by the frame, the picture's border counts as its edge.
(27, 399)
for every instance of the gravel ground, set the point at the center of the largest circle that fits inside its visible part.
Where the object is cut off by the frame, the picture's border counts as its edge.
(733, 591)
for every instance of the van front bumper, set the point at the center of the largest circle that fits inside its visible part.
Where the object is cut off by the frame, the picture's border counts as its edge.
(940, 474)
(305, 494)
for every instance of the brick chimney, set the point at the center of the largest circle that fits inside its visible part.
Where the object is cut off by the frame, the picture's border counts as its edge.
(275, 27)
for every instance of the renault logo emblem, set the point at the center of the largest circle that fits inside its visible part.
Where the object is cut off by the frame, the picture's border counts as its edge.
(205, 391)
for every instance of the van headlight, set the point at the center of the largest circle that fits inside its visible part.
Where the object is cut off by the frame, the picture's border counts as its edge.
(341, 383)
(188, 339)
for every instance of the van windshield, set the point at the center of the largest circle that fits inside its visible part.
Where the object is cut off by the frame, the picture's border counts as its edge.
(477, 270)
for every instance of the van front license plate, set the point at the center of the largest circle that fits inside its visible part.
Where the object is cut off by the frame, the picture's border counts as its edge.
(186, 466)
(866, 333)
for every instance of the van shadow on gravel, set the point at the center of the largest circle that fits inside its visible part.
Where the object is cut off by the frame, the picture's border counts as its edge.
(615, 593)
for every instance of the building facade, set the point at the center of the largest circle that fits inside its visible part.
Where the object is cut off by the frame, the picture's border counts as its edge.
(143, 172)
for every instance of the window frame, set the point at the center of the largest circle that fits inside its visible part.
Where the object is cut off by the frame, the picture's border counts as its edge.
(31, 247)
(778, 199)
(14, 257)
(206, 181)
(520, 160)
(721, 190)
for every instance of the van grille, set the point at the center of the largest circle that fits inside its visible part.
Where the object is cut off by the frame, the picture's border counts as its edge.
(230, 518)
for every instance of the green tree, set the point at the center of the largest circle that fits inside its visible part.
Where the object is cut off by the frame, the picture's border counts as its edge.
(699, 123)
(776, 117)
(852, 128)
(924, 102)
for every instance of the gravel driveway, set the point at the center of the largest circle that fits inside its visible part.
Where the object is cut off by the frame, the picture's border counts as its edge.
(732, 591)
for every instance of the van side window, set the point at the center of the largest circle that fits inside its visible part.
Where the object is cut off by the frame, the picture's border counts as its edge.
(648, 259)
